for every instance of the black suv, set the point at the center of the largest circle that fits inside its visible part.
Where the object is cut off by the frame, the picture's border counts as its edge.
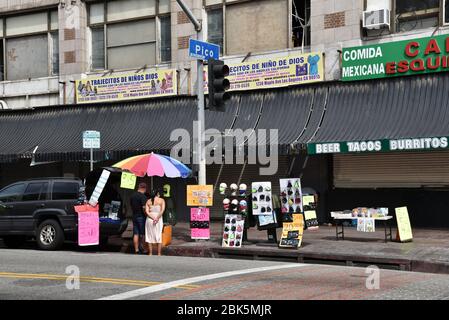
(44, 209)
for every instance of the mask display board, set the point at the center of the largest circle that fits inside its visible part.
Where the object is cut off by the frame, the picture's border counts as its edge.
(291, 198)
(199, 223)
(233, 230)
(261, 198)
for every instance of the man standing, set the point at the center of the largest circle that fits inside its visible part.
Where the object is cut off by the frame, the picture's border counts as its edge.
(138, 201)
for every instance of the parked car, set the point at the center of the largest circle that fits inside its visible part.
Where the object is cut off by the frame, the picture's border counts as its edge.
(43, 209)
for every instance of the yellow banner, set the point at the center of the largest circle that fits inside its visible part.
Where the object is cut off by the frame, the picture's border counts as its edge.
(404, 226)
(127, 86)
(200, 196)
(276, 72)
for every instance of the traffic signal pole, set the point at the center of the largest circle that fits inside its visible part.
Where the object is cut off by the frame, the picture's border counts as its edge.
(201, 152)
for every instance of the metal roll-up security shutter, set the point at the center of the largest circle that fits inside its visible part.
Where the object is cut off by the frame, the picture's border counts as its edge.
(231, 174)
(391, 170)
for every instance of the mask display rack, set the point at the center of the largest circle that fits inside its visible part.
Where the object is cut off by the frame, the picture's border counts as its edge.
(236, 212)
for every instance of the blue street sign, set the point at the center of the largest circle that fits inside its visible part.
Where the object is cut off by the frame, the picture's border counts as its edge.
(203, 50)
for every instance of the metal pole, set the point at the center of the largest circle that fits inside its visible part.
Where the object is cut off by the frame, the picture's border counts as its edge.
(201, 120)
(91, 159)
(201, 159)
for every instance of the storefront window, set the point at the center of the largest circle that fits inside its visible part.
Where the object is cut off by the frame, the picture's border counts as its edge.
(215, 27)
(124, 34)
(165, 39)
(416, 14)
(35, 36)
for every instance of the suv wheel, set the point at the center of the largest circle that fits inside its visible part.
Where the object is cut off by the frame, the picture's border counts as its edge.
(50, 235)
(14, 242)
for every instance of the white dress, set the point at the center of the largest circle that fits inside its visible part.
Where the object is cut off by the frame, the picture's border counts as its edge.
(153, 232)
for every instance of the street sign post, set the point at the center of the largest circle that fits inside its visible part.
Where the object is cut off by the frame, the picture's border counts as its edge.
(91, 140)
(203, 50)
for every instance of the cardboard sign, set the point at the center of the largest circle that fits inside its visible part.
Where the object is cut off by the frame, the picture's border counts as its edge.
(292, 232)
(200, 223)
(88, 225)
(366, 225)
(200, 196)
(128, 181)
(404, 226)
(311, 219)
(99, 188)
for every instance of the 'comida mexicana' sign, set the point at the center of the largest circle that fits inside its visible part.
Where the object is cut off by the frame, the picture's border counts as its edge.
(408, 57)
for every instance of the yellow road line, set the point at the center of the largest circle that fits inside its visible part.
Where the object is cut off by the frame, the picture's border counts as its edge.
(129, 282)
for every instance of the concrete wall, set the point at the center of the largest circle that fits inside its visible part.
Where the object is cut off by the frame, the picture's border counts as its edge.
(257, 26)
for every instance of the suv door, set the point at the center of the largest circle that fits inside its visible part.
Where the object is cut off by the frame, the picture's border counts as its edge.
(9, 198)
(34, 199)
(64, 196)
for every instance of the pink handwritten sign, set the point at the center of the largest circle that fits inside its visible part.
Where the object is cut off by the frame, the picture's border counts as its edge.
(88, 225)
(199, 223)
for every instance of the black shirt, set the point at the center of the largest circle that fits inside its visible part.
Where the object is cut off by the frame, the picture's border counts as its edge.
(138, 201)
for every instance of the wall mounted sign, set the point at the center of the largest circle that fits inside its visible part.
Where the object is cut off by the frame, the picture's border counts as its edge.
(383, 145)
(275, 72)
(129, 86)
(400, 58)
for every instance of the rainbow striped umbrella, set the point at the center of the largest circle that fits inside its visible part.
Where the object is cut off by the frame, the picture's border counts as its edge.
(153, 164)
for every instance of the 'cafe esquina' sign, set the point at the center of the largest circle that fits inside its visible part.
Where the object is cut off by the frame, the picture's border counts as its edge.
(399, 58)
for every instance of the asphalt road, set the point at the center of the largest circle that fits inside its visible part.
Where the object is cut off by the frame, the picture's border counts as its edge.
(32, 274)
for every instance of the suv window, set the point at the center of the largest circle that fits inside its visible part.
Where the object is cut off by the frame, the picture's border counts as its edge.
(35, 191)
(65, 190)
(12, 193)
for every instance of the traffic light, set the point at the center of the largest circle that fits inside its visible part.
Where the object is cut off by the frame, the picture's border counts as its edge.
(218, 84)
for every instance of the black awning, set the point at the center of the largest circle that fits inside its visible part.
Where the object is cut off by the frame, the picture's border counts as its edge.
(407, 107)
(129, 128)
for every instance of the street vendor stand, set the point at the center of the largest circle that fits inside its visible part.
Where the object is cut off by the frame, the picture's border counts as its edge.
(341, 217)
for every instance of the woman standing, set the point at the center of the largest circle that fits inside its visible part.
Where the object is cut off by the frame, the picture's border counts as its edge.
(154, 210)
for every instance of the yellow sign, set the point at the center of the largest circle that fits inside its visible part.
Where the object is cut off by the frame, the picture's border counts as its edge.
(128, 181)
(292, 232)
(307, 200)
(200, 196)
(309, 215)
(404, 227)
(276, 72)
(127, 86)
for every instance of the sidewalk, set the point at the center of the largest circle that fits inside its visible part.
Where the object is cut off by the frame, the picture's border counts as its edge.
(429, 251)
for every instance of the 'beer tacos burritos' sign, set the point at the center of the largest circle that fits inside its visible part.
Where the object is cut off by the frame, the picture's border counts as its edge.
(127, 86)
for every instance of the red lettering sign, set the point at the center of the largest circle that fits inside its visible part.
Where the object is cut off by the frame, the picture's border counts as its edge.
(432, 46)
(390, 68)
(408, 49)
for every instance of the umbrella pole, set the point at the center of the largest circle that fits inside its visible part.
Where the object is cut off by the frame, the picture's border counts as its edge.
(152, 183)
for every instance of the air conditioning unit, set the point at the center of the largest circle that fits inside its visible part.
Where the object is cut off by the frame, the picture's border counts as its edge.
(376, 19)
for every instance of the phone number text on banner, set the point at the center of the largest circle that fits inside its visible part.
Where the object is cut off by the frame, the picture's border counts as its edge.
(129, 86)
(276, 72)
